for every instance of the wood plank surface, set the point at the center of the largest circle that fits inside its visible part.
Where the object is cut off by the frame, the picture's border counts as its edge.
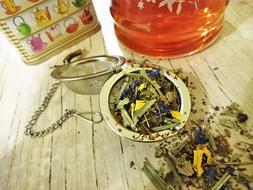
(81, 156)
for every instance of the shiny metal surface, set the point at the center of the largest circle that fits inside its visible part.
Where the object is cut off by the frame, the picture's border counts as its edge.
(87, 76)
(105, 98)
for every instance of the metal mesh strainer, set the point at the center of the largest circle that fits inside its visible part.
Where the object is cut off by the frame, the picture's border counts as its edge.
(87, 76)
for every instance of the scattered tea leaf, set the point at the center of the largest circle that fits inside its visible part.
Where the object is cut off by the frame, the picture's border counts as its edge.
(164, 127)
(122, 103)
(127, 119)
(151, 173)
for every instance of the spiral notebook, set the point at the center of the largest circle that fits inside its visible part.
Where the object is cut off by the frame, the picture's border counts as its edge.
(42, 28)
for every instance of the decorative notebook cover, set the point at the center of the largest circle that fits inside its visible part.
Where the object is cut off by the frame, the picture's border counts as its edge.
(40, 28)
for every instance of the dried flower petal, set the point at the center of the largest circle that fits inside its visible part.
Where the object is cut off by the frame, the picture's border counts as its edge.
(201, 137)
(139, 104)
(163, 108)
(125, 92)
(132, 109)
(142, 87)
(135, 84)
(154, 73)
(211, 173)
(176, 115)
(198, 156)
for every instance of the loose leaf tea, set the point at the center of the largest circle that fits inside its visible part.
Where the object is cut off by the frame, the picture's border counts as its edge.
(205, 159)
(146, 102)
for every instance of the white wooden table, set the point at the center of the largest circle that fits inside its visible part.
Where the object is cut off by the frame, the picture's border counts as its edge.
(84, 156)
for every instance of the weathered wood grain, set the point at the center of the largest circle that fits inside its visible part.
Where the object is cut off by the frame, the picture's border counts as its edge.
(82, 156)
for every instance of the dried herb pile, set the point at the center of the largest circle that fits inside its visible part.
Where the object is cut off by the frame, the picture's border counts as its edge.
(202, 157)
(202, 160)
(146, 102)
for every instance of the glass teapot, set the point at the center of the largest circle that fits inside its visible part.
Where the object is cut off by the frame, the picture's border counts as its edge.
(168, 28)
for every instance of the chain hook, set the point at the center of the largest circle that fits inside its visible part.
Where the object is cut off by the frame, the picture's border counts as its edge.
(96, 117)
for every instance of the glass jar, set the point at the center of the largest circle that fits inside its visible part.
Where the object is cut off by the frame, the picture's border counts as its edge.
(168, 28)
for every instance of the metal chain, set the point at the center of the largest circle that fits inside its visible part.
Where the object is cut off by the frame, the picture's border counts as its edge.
(29, 127)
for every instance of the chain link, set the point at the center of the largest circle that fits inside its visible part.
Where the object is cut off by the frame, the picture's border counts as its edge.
(29, 127)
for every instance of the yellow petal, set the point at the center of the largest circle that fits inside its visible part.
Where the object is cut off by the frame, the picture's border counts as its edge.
(132, 108)
(176, 115)
(197, 162)
(142, 86)
(208, 155)
(198, 156)
(139, 104)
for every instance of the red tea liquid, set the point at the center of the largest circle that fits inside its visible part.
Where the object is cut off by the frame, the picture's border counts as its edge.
(168, 28)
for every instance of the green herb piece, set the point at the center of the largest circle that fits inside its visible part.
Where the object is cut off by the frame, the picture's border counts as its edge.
(152, 91)
(247, 177)
(170, 96)
(227, 123)
(164, 127)
(122, 103)
(146, 120)
(170, 162)
(218, 185)
(238, 163)
(153, 176)
(127, 121)
(133, 74)
(135, 119)
(169, 121)
(176, 149)
(154, 83)
(211, 140)
(125, 84)
(145, 94)
(184, 166)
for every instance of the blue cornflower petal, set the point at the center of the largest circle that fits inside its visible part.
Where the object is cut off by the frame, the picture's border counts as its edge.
(125, 92)
(211, 173)
(163, 108)
(201, 137)
(135, 84)
(154, 73)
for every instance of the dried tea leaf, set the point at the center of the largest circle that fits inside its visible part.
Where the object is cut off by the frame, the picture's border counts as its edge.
(127, 121)
(185, 168)
(169, 121)
(170, 96)
(122, 103)
(151, 173)
(170, 162)
(231, 110)
(211, 140)
(248, 177)
(154, 83)
(125, 84)
(221, 182)
(227, 123)
(176, 149)
(152, 91)
(164, 127)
